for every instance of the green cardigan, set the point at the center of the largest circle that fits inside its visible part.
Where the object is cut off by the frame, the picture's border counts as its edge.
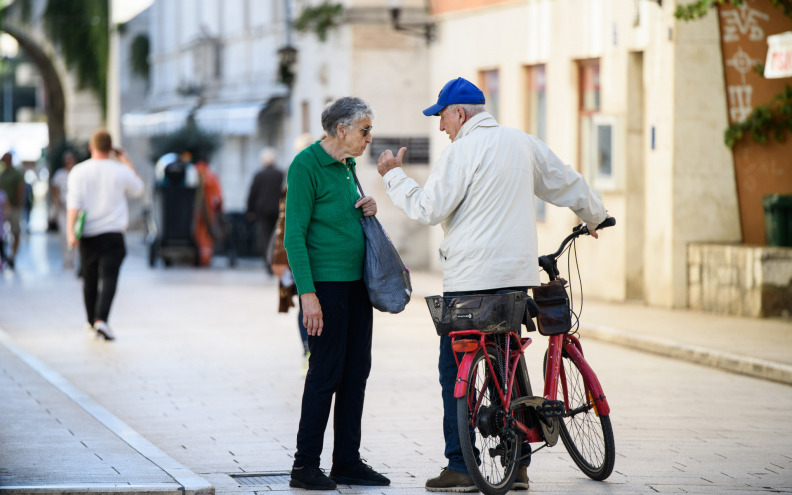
(323, 237)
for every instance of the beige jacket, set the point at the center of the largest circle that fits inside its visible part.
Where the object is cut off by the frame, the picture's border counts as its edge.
(482, 192)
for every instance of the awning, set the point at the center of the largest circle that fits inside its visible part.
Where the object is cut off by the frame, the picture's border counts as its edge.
(779, 56)
(239, 119)
(153, 123)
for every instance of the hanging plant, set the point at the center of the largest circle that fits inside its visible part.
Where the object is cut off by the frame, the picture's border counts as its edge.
(320, 19)
(773, 119)
(138, 57)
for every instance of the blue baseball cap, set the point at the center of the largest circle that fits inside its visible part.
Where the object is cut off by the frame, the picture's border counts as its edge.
(456, 91)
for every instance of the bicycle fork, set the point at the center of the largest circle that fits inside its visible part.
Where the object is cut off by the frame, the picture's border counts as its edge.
(555, 372)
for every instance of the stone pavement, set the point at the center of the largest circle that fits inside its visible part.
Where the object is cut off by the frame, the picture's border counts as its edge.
(217, 390)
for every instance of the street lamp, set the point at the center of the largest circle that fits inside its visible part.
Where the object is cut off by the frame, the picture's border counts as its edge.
(424, 30)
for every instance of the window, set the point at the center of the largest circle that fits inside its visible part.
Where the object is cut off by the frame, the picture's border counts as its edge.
(599, 133)
(489, 81)
(536, 115)
(536, 102)
(417, 149)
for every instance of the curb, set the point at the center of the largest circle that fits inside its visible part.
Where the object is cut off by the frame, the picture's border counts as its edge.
(189, 483)
(744, 365)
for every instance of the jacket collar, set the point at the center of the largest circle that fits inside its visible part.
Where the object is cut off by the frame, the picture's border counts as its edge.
(482, 119)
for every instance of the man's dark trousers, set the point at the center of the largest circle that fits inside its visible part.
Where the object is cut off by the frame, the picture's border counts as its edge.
(447, 365)
(101, 258)
(339, 364)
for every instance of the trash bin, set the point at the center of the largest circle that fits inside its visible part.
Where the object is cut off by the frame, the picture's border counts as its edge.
(778, 219)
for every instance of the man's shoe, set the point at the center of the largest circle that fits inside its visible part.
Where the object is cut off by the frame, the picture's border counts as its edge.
(449, 481)
(521, 483)
(310, 478)
(358, 473)
(103, 330)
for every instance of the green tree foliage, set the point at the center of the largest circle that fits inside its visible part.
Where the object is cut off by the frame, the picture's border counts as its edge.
(81, 30)
(319, 19)
(191, 138)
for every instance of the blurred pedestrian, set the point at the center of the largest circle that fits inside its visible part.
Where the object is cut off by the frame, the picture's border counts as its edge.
(263, 199)
(13, 183)
(98, 189)
(280, 264)
(287, 289)
(209, 212)
(4, 260)
(60, 187)
(482, 191)
(325, 246)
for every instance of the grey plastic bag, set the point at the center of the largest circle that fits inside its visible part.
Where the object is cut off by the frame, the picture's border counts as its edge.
(384, 273)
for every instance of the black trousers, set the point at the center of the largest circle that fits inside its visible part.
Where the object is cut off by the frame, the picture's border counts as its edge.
(339, 364)
(101, 257)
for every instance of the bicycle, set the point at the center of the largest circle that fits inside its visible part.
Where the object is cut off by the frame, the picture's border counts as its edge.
(497, 412)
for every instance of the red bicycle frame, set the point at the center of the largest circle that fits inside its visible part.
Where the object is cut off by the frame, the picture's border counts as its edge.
(554, 371)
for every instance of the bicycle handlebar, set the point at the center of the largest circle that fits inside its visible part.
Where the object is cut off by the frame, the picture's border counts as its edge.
(548, 261)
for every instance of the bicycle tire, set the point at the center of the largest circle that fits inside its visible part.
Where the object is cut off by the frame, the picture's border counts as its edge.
(587, 435)
(494, 467)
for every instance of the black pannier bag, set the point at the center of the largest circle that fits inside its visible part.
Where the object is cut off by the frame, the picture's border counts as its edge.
(495, 313)
(554, 311)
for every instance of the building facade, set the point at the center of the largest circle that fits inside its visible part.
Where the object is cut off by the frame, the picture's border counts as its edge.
(630, 97)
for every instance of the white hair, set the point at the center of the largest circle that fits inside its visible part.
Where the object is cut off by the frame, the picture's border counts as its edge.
(470, 109)
(268, 156)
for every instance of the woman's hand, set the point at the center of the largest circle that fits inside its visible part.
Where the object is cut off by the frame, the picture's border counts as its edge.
(312, 313)
(368, 205)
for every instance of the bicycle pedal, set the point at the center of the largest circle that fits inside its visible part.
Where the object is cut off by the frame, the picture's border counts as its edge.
(551, 408)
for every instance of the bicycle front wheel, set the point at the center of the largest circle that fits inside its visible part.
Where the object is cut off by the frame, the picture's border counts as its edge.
(587, 435)
(490, 447)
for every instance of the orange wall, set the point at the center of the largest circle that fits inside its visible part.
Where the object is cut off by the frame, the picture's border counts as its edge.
(445, 6)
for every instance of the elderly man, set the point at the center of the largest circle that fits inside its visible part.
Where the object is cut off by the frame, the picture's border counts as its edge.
(481, 190)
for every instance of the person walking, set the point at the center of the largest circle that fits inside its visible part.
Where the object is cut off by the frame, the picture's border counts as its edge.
(59, 189)
(4, 260)
(263, 200)
(208, 212)
(98, 188)
(481, 190)
(13, 183)
(325, 247)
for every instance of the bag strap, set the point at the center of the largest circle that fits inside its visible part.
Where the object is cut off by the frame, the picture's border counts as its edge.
(354, 176)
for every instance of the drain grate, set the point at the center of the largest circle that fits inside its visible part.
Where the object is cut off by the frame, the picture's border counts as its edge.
(262, 479)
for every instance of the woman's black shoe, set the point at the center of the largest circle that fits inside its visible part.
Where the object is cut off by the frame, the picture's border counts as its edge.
(310, 478)
(358, 473)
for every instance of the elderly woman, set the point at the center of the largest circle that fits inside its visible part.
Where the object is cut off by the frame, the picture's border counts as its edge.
(325, 246)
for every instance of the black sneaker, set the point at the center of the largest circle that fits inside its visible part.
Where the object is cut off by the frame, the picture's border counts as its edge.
(310, 478)
(358, 473)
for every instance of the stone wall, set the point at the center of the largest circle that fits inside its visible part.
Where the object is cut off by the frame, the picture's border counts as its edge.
(740, 280)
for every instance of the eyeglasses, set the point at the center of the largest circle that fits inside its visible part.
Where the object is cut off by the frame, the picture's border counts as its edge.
(366, 130)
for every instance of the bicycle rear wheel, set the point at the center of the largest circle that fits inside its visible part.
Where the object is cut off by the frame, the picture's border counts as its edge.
(490, 447)
(587, 435)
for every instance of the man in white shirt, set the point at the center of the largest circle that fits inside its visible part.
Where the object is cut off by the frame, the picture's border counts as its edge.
(99, 188)
(482, 192)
